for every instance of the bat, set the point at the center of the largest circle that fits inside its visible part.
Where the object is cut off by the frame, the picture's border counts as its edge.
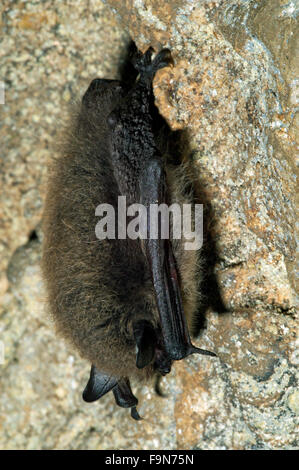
(124, 303)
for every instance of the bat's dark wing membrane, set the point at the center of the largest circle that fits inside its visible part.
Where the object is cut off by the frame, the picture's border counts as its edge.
(163, 269)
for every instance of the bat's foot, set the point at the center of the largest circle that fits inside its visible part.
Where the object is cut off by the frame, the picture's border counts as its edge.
(148, 67)
(162, 59)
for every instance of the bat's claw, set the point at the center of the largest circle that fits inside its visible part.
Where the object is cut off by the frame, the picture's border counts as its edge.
(204, 352)
(163, 59)
(148, 67)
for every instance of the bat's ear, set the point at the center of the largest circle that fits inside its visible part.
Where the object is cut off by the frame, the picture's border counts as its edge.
(98, 385)
(145, 338)
(124, 397)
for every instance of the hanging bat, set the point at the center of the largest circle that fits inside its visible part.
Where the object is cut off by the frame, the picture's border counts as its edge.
(123, 303)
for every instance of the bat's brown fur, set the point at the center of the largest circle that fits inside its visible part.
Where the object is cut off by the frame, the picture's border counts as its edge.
(97, 288)
(85, 282)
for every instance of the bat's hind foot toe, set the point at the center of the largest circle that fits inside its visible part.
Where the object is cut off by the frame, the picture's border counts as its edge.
(162, 59)
(148, 67)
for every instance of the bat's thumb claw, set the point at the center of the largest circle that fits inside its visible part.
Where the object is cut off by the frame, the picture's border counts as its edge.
(204, 352)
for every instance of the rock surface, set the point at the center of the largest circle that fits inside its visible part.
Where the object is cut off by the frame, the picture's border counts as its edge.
(49, 54)
(234, 91)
